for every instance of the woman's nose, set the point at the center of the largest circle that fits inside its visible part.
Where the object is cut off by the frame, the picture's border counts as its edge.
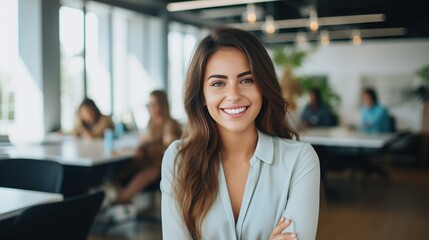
(233, 93)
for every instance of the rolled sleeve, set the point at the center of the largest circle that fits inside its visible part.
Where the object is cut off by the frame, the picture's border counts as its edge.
(303, 201)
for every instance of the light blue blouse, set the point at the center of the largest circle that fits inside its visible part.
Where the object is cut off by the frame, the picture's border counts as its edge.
(374, 119)
(283, 180)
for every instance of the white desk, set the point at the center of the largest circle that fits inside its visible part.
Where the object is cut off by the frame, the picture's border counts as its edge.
(343, 137)
(76, 151)
(14, 201)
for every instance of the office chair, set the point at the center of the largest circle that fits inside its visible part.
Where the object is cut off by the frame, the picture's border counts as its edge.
(31, 174)
(392, 124)
(69, 219)
(4, 139)
(152, 189)
(145, 215)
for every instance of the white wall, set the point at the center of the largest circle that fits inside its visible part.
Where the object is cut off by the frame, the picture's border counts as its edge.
(392, 63)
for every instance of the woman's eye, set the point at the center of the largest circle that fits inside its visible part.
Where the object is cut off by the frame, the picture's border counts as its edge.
(247, 81)
(217, 84)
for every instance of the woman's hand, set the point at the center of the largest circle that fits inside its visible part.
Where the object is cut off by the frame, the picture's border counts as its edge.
(277, 234)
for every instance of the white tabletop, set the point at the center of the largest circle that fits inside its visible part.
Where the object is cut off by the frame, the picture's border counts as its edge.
(14, 201)
(343, 137)
(75, 151)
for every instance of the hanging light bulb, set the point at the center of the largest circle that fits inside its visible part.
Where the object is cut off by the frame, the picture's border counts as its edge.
(301, 39)
(324, 38)
(357, 40)
(269, 26)
(313, 23)
(251, 13)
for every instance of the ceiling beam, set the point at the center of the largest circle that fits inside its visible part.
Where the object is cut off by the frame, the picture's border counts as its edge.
(323, 21)
(200, 4)
(337, 34)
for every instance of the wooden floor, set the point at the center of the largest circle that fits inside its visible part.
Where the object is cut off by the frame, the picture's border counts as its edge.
(397, 208)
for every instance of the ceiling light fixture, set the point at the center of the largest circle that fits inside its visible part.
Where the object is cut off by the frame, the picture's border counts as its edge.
(356, 38)
(338, 35)
(269, 26)
(251, 13)
(322, 21)
(199, 4)
(324, 38)
(313, 23)
(301, 39)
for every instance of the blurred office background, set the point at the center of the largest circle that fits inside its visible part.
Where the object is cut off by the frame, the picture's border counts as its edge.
(55, 52)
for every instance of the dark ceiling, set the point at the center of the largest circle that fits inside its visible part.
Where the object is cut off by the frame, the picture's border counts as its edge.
(411, 15)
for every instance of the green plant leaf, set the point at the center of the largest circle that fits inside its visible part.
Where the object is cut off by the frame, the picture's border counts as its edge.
(423, 73)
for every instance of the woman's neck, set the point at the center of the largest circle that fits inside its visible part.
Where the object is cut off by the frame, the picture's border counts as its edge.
(158, 120)
(238, 145)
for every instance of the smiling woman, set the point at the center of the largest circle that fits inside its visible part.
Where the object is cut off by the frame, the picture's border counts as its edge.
(237, 153)
(231, 95)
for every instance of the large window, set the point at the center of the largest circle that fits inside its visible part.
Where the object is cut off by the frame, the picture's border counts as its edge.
(98, 77)
(123, 64)
(8, 56)
(7, 99)
(72, 63)
(182, 40)
(98, 56)
(136, 63)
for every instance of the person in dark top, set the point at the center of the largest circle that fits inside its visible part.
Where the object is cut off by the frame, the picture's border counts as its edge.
(316, 113)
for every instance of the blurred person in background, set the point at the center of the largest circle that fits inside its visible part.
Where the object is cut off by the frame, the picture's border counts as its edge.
(316, 113)
(374, 117)
(90, 123)
(145, 166)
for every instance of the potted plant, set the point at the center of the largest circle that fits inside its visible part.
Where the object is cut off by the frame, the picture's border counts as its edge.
(422, 92)
(293, 86)
(289, 59)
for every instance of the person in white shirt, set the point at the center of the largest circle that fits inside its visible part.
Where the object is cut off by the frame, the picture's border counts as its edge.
(237, 173)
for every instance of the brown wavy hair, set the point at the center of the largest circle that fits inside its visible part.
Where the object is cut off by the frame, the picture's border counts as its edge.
(196, 181)
(89, 103)
(162, 101)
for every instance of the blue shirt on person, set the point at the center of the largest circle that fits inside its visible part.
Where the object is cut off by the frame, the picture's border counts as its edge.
(375, 119)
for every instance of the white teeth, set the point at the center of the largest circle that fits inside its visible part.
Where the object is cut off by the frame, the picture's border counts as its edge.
(234, 111)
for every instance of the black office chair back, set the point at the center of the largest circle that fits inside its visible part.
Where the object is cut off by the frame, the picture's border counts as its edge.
(68, 219)
(4, 139)
(31, 174)
(392, 122)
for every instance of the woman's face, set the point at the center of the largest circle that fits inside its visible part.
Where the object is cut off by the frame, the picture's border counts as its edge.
(87, 115)
(230, 92)
(153, 106)
(367, 100)
(313, 99)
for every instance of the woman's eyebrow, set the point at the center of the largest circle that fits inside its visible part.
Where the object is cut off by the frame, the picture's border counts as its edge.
(225, 77)
(217, 76)
(244, 74)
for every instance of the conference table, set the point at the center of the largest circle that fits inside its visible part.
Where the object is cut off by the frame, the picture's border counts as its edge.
(87, 162)
(74, 151)
(13, 201)
(345, 137)
(353, 147)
